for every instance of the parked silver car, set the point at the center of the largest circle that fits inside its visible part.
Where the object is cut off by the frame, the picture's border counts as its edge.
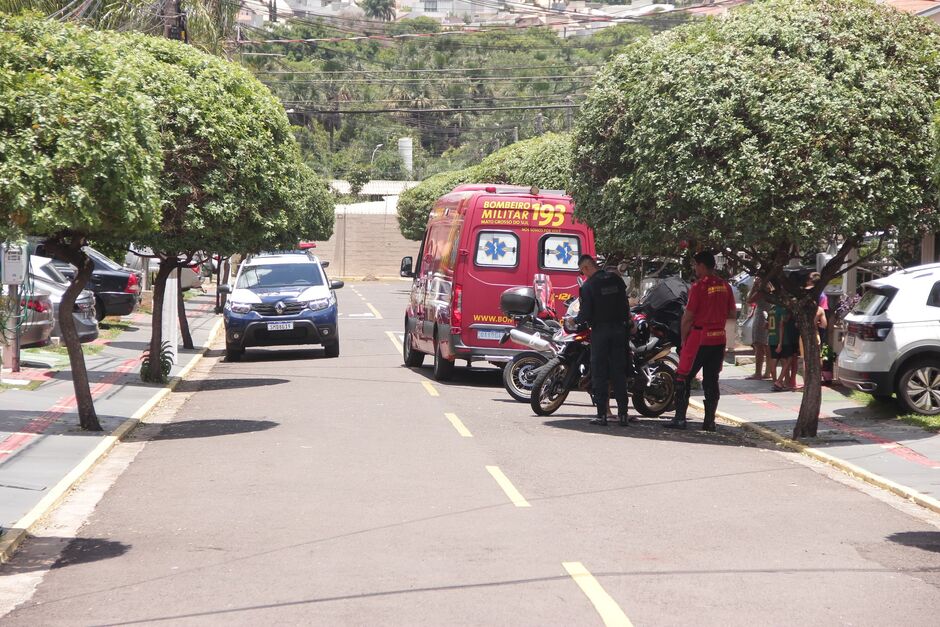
(190, 276)
(36, 324)
(46, 277)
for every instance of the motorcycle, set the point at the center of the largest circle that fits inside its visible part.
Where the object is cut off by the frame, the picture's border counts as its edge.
(519, 374)
(652, 386)
(536, 324)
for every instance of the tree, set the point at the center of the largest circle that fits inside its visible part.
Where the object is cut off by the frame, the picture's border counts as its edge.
(784, 128)
(79, 154)
(379, 9)
(231, 179)
(209, 23)
(543, 161)
(358, 176)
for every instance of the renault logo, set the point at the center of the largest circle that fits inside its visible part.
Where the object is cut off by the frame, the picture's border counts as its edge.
(279, 307)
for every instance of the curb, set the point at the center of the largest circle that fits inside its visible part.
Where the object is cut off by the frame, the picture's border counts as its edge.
(14, 536)
(925, 501)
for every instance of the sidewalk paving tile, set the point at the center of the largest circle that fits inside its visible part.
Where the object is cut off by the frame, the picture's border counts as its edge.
(32, 463)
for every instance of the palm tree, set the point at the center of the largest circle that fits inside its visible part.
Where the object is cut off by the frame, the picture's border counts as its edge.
(379, 9)
(209, 23)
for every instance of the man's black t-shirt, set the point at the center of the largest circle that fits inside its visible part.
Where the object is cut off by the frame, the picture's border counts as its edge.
(603, 299)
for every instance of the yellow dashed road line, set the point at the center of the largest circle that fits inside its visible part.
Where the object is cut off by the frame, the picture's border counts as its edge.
(375, 311)
(507, 487)
(458, 425)
(605, 605)
(395, 341)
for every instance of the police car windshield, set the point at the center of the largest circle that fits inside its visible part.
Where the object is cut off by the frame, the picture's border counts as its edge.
(280, 275)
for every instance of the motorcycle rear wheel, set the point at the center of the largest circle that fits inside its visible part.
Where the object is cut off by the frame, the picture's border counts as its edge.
(548, 391)
(653, 400)
(519, 374)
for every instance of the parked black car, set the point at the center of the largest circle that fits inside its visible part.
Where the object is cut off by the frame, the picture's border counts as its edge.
(117, 289)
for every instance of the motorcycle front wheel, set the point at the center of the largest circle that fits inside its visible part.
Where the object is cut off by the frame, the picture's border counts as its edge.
(519, 374)
(659, 396)
(549, 391)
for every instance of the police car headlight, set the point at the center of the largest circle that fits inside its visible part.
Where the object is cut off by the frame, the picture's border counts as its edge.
(321, 303)
(239, 308)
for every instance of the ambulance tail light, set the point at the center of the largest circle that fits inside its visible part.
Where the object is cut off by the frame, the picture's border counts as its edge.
(456, 310)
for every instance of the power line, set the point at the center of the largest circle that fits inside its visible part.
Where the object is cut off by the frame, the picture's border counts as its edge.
(438, 80)
(429, 70)
(443, 110)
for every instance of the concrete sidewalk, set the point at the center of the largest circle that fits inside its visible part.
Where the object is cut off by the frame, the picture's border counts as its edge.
(42, 448)
(856, 438)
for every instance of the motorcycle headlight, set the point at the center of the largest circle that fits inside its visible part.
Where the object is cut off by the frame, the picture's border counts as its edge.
(240, 308)
(321, 303)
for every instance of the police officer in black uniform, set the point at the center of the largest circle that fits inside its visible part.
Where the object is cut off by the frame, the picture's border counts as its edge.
(604, 307)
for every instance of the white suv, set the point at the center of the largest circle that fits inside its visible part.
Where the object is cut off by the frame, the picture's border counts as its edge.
(892, 342)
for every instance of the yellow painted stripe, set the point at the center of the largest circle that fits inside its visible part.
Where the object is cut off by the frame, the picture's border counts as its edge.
(430, 388)
(375, 311)
(459, 426)
(507, 487)
(394, 338)
(605, 605)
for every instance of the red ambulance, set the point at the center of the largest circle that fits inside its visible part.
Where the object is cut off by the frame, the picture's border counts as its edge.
(482, 239)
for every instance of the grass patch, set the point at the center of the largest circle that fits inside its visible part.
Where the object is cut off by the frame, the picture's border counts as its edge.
(929, 423)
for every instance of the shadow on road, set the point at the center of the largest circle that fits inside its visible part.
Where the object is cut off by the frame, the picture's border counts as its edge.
(184, 429)
(77, 551)
(924, 540)
(652, 429)
(205, 385)
(483, 377)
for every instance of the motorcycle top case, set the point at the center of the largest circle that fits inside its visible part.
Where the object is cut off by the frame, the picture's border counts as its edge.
(518, 301)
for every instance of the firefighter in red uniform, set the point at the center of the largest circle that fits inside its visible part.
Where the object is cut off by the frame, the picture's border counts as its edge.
(711, 304)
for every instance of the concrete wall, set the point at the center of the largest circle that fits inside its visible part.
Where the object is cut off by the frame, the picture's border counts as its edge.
(366, 241)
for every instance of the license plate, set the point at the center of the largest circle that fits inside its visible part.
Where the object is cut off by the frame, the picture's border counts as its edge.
(490, 334)
(280, 326)
(850, 340)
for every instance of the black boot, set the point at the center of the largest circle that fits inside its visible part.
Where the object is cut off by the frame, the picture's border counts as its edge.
(710, 408)
(682, 405)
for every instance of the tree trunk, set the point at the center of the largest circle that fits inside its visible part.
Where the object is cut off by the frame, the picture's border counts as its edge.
(156, 332)
(219, 301)
(808, 420)
(73, 253)
(181, 311)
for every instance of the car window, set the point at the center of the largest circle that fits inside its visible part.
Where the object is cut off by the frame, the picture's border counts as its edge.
(933, 299)
(560, 252)
(53, 273)
(874, 301)
(107, 262)
(497, 249)
(280, 275)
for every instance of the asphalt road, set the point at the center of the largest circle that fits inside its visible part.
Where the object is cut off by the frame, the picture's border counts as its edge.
(295, 489)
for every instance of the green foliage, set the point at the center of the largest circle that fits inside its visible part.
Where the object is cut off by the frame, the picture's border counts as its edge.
(79, 149)
(358, 177)
(530, 67)
(379, 9)
(230, 178)
(542, 161)
(166, 364)
(415, 204)
(787, 123)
